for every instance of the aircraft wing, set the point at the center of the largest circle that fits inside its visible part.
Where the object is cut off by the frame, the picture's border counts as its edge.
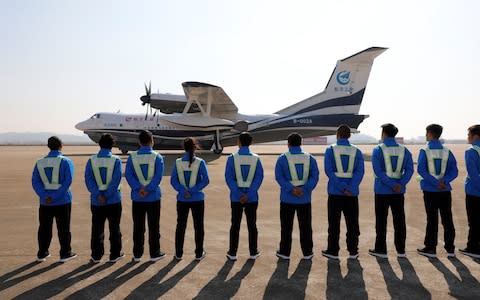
(213, 100)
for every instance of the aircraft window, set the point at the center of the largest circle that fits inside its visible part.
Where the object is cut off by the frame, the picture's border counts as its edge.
(95, 116)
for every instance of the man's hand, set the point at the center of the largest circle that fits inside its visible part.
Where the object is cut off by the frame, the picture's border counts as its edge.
(297, 192)
(244, 198)
(48, 200)
(143, 193)
(442, 185)
(397, 188)
(187, 195)
(101, 199)
(346, 192)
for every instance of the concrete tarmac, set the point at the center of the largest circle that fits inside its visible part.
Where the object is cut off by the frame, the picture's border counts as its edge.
(214, 277)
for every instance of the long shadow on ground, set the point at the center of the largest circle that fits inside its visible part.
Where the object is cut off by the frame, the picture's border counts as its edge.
(352, 286)
(281, 287)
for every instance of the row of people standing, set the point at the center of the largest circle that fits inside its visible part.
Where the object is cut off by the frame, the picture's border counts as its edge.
(297, 174)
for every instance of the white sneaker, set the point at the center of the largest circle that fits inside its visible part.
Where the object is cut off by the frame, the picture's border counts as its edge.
(451, 254)
(353, 256)
(329, 255)
(178, 258)
(373, 252)
(94, 261)
(158, 257)
(402, 255)
(119, 257)
(136, 259)
(231, 257)
(255, 256)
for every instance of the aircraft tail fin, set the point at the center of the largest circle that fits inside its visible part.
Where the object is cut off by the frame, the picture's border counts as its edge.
(345, 89)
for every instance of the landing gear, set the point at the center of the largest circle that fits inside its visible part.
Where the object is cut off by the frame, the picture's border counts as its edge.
(217, 147)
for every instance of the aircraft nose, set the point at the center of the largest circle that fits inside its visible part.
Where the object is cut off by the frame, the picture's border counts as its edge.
(80, 126)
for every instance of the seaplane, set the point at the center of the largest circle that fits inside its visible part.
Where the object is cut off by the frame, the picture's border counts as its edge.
(207, 113)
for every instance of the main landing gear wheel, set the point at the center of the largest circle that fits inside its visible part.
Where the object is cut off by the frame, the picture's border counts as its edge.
(217, 147)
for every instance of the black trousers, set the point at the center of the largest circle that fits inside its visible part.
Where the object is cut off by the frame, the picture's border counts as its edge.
(473, 214)
(251, 214)
(304, 217)
(198, 208)
(61, 214)
(100, 214)
(439, 202)
(152, 211)
(349, 206)
(396, 203)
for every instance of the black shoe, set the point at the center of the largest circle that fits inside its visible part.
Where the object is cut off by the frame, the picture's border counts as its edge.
(470, 252)
(43, 257)
(199, 258)
(376, 253)
(158, 257)
(68, 257)
(427, 252)
(282, 256)
(116, 258)
(330, 255)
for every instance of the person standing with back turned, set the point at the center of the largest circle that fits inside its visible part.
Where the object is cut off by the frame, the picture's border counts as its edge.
(344, 167)
(103, 174)
(244, 175)
(297, 174)
(189, 178)
(51, 180)
(393, 168)
(472, 191)
(144, 171)
(437, 167)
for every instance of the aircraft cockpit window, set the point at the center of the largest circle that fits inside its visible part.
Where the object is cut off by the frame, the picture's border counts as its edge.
(95, 116)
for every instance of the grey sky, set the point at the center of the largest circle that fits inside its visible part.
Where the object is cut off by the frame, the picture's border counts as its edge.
(62, 61)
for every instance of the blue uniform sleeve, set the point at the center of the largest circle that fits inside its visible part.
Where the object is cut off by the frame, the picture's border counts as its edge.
(314, 175)
(408, 168)
(422, 169)
(66, 177)
(174, 180)
(358, 170)
(37, 184)
(90, 181)
(452, 171)
(257, 180)
(157, 177)
(202, 179)
(231, 178)
(116, 178)
(330, 169)
(131, 176)
(281, 169)
(472, 162)
(378, 165)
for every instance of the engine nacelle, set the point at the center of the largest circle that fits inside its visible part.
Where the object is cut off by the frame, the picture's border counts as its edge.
(240, 126)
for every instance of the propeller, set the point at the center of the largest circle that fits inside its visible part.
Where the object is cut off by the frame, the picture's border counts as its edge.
(146, 98)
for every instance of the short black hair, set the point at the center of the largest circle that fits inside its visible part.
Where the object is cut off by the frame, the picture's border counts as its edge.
(343, 131)
(245, 139)
(294, 139)
(474, 130)
(435, 129)
(145, 137)
(54, 143)
(389, 129)
(106, 141)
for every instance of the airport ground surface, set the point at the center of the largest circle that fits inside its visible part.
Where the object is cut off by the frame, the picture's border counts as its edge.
(214, 278)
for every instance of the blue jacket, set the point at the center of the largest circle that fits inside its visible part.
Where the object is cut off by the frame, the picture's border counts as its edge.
(196, 192)
(384, 184)
(112, 194)
(336, 185)
(153, 188)
(283, 178)
(472, 161)
(430, 183)
(61, 196)
(231, 178)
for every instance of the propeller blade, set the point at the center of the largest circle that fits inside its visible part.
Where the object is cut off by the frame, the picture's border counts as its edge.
(146, 89)
(149, 87)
